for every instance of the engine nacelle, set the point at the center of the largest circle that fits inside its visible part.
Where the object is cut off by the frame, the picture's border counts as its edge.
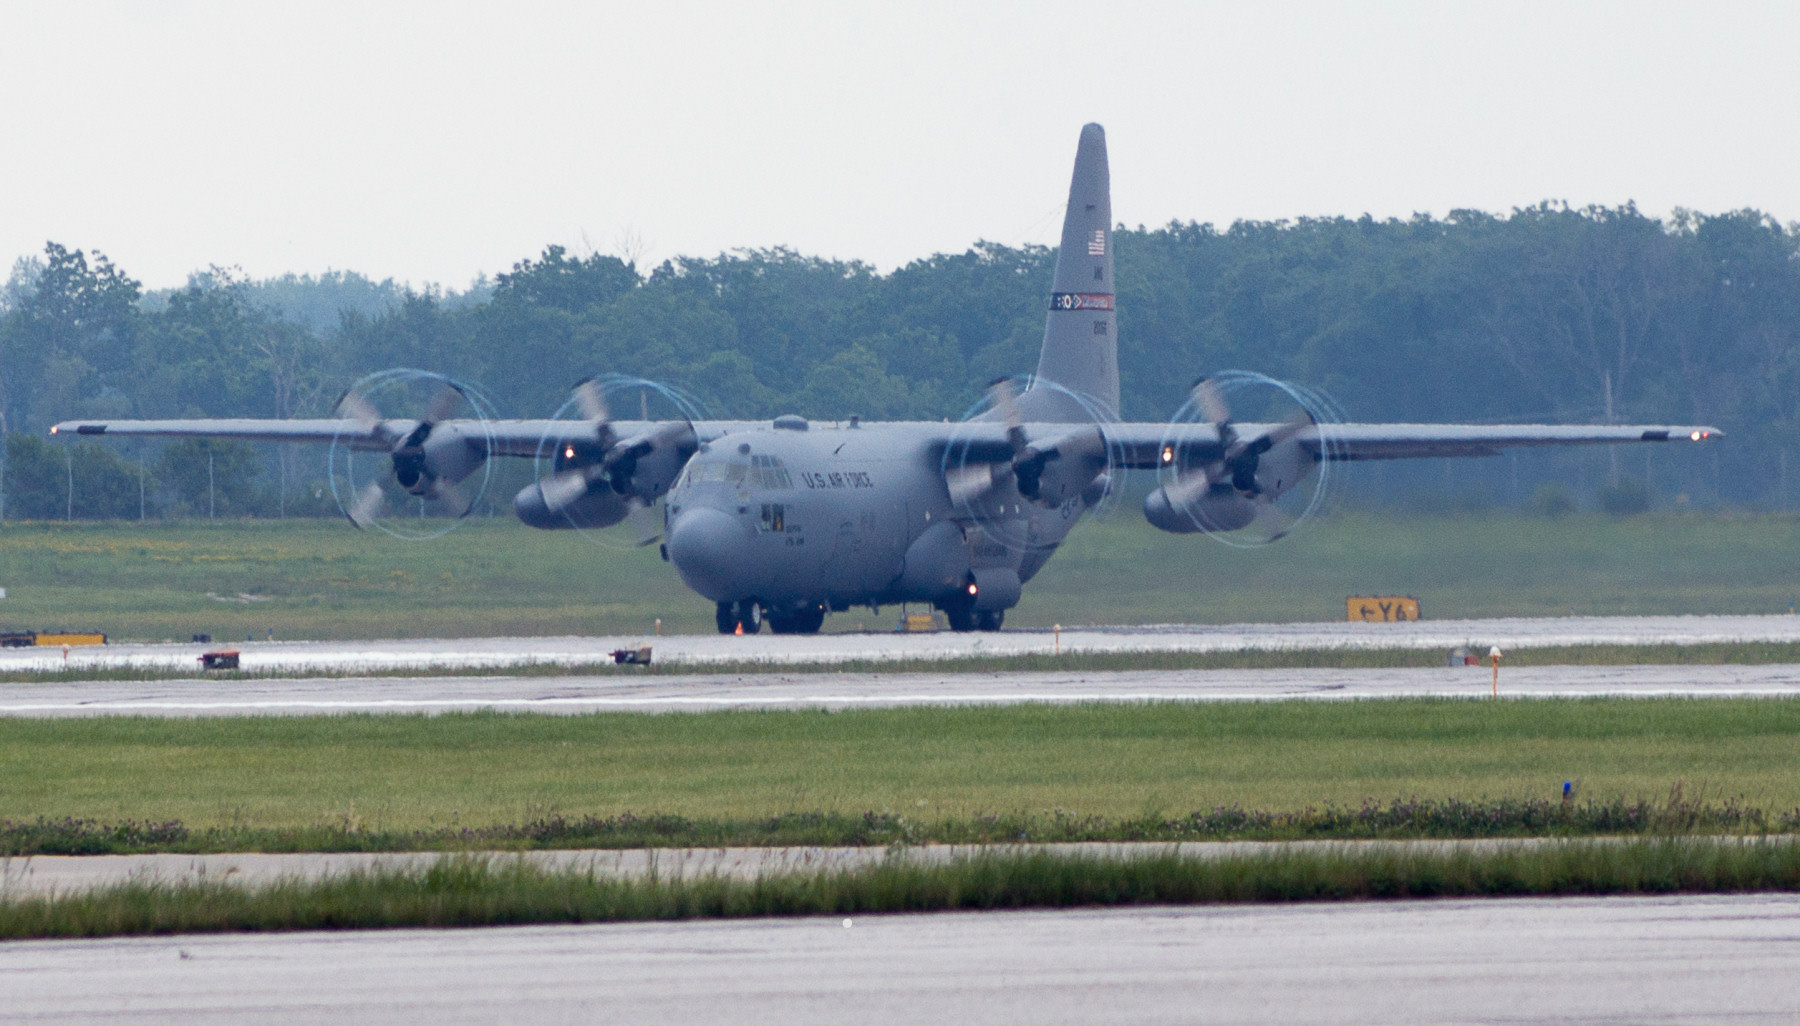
(1067, 467)
(595, 507)
(435, 455)
(1197, 510)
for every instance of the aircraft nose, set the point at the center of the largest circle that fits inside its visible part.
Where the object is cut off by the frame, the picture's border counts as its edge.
(707, 548)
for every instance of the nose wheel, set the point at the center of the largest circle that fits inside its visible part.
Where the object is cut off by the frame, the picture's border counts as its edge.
(739, 617)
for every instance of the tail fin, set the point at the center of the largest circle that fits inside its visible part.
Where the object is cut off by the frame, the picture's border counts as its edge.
(1081, 348)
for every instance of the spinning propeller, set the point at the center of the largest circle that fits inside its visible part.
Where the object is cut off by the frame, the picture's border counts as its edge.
(428, 459)
(604, 471)
(1003, 485)
(1236, 483)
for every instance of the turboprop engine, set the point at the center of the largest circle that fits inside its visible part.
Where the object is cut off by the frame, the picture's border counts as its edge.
(601, 476)
(428, 458)
(1237, 487)
(1072, 461)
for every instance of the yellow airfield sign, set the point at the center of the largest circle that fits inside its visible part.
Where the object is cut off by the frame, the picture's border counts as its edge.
(1381, 608)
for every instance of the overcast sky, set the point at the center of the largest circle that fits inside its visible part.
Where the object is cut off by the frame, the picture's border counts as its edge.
(430, 142)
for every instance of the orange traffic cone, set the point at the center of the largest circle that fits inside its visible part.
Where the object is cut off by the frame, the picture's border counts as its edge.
(740, 628)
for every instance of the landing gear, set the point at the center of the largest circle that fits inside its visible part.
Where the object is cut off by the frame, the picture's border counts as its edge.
(806, 620)
(990, 619)
(731, 616)
(959, 611)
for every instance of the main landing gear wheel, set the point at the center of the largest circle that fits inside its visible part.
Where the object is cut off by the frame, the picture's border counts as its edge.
(959, 612)
(800, 621)
(739, 618)
(990, 619)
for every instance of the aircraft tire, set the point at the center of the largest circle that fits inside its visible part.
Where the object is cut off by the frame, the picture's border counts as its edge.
(959, 612)
(990, 619)
(801, 621)
(726, 617)
(750, 616)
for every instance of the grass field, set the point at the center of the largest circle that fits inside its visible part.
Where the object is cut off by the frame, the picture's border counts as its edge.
(472, 891)
(928, 765)
(322, 579)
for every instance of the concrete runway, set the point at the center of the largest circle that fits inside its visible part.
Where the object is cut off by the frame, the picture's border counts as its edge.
(668, 693)
(1688, 959)
(700, 650)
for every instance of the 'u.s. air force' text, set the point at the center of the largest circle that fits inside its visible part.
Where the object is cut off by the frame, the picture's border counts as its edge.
(847, 479)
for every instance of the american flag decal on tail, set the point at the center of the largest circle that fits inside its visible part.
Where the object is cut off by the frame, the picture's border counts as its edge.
(1097, 245)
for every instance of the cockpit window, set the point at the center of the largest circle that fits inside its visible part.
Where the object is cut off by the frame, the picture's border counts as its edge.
(717, 470)
(771, 473)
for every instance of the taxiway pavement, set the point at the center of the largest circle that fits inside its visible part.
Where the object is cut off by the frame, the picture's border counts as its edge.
(1686, 959)
(700, 650)
(700, 691)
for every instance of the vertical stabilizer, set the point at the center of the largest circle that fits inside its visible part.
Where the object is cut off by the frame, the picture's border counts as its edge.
(1081, 348)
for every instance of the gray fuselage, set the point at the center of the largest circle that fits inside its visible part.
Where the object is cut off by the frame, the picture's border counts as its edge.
(842, 515)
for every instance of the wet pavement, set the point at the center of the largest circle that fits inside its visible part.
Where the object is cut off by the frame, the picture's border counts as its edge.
(775, 690)
(1686, 959)
(702, 649)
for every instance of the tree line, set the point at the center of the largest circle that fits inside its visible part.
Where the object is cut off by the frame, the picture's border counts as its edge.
(1549, 313)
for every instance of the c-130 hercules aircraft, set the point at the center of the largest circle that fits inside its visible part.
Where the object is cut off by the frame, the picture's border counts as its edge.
(784, 521)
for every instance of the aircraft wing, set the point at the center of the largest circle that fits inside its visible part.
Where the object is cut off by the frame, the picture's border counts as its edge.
(1414, 441)
(498, 437)
(1142, 446)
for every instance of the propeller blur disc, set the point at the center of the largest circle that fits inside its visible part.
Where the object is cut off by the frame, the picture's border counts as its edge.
(592, 404)
(1230, 400)
(985, 488)
(394, 413)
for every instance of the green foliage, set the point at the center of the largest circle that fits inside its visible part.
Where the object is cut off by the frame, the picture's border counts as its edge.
(1398, 819)
(210, 476)
(1599, 315)
(1625, 497)
(39, 485)
(463, 891)
(37, 482)
(1552, 500)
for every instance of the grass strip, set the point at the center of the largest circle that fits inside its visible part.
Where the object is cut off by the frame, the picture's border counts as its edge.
(1719, 654)
(483, 891)
(1159, 761)
(1394, 820)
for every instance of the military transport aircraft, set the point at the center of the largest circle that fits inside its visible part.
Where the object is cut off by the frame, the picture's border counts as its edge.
(784, 521)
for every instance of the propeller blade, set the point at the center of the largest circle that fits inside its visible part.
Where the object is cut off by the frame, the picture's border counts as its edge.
(970, 482)
(453, 497)
(1294, 425)
(1211, 402)
(366, 506)
(1271, 521)
(563, 490)
(590, 400)
(1006, 400)
(444, 403)
(645, 521)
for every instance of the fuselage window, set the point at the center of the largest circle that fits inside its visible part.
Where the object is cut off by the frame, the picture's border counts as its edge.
(771, 473)
(774, 519)
(719, 471)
